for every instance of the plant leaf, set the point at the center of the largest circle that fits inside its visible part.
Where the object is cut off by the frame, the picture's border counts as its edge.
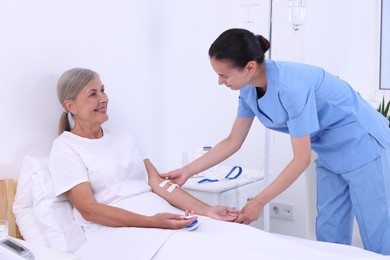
(386, 110)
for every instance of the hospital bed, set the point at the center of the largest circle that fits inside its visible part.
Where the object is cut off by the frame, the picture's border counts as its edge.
(48, 229)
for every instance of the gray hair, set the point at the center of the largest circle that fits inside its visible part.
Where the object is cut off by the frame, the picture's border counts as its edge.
(69, 86)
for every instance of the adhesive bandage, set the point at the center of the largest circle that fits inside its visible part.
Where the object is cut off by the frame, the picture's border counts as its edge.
(162, 184)
(172, 185)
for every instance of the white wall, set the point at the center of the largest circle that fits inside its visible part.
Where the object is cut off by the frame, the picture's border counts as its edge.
(196, 110)
(152, 56)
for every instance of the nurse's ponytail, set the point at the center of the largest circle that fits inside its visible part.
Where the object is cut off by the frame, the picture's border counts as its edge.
(264, 43)
(239, 46)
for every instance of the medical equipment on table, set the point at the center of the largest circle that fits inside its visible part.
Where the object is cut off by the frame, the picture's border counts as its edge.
(227, 177)
(198, 152)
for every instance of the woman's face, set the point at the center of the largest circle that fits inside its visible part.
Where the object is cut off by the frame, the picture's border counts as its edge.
(230, 76)
(90, 107)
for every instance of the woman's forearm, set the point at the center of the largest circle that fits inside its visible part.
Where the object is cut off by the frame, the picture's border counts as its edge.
(302, 156)
(223, 150)
(115, 217)
(177, 197)
(83, 200)
(217, 154)
(286, 178)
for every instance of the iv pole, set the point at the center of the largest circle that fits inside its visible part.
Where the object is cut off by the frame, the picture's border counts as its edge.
(267, 146)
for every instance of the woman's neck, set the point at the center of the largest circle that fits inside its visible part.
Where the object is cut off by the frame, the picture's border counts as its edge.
(259, 78)
(91, 133)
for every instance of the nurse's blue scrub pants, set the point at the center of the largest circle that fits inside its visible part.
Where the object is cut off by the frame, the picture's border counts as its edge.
(364, 192)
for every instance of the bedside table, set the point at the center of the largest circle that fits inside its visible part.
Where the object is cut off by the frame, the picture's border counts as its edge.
(234, 193)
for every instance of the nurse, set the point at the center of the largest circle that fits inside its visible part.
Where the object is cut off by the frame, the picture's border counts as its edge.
(321, 112)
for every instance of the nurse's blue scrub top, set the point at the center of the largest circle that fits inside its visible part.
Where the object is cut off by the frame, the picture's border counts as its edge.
(301, 100)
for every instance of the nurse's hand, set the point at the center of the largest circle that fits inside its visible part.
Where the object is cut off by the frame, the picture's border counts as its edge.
(178, 176)
(223, 213)
(250, 212)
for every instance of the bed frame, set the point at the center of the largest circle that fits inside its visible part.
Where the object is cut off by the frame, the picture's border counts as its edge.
(7, 196)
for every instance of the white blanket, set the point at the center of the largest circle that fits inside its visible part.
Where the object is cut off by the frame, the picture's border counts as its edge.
(211, 240)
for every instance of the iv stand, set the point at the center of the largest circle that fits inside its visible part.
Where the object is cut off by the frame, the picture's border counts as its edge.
(267, 148)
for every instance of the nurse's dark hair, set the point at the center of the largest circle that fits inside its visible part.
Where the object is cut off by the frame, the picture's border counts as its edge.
(239, 46)
(69, 86)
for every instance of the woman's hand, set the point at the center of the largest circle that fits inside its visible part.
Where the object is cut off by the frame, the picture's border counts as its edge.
(171, 221)
(177, 176)
(223, 213)
(250, 212)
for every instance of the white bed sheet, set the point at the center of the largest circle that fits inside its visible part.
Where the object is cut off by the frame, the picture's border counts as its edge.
(211, 240)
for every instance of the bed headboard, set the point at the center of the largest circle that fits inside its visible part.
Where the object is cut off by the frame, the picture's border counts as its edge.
(7, 196)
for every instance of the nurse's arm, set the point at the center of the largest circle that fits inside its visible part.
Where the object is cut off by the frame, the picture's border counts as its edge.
(302, 157)
(223, 150)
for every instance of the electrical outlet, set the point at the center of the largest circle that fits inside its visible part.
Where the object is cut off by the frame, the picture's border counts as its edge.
(282, 210)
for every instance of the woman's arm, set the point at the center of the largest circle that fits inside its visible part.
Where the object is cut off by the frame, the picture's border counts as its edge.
(82, 198)
(217, 154)
(302, 156)
(185, 201)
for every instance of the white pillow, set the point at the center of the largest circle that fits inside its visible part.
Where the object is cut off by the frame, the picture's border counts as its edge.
(54, 215)
(23, 204)
(50, 219)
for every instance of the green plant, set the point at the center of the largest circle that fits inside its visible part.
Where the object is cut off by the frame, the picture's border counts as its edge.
(384, 109)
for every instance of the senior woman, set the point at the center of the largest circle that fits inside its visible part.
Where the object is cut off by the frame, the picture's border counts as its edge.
(101, 171)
